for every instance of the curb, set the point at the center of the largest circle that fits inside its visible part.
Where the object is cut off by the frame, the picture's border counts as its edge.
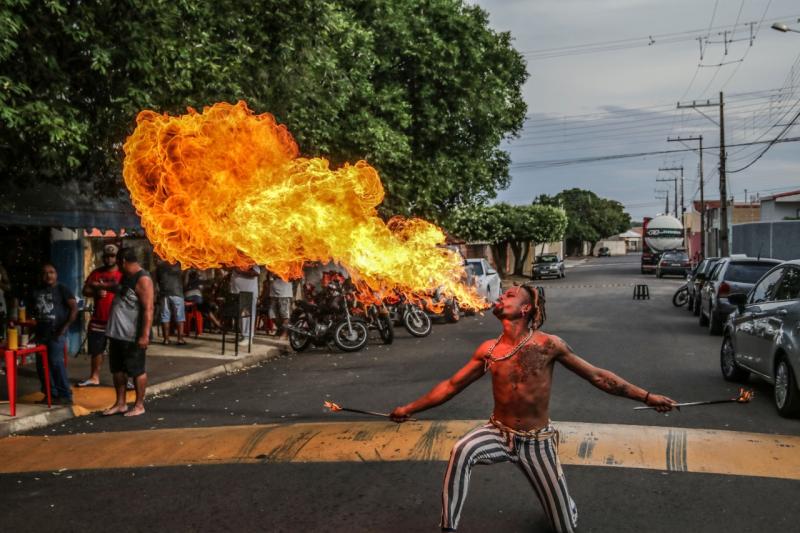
(60, 414)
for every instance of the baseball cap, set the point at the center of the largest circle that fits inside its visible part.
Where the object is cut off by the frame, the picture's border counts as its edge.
(109, 249)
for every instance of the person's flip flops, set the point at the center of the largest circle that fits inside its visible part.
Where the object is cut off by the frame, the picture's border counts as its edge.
(88, 383)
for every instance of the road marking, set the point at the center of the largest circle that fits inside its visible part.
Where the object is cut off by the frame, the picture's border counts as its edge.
(622, 446)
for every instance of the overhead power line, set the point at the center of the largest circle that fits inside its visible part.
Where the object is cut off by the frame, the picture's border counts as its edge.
(580, 160)
(646, 41)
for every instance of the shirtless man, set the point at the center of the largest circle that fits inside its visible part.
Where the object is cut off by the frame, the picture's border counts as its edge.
(521, 362)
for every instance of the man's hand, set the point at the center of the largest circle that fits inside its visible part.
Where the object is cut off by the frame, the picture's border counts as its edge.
(400, 414)
(143, 341)
(662, 403)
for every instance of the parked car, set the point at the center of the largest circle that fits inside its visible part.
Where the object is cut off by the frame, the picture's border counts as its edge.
(604, 252)
(762, 336)
(547, 265)
(673, 263)
(486, 279)
(696, 279)
(731, 275)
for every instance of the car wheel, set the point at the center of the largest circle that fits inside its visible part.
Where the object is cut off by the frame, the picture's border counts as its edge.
(727, 362)
(702, 318)
(714, 323)
(787, 396)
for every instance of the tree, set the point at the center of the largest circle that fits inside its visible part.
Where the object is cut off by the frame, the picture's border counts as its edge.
(506, 226)
(591, 218)
(424, 91)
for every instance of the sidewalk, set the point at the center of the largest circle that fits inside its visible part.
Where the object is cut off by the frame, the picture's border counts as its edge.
(168, 368)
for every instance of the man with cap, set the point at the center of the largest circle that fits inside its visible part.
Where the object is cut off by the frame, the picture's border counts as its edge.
(101, 286)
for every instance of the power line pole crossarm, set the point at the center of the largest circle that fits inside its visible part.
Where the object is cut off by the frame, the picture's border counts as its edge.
(724, 248)
(702, 197)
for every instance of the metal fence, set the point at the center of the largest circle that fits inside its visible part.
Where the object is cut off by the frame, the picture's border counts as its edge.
(778, 240)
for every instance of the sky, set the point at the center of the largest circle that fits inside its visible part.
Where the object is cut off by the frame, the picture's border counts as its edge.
(605, 78)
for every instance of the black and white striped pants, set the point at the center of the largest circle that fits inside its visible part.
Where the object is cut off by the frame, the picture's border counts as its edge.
(536, 457)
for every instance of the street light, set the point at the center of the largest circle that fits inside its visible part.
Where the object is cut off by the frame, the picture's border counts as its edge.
(780, 26)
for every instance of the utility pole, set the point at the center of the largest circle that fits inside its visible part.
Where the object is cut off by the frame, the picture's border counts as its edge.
(724, 249)
(702, 199)
(664, 195)
(675, 180)
(683, 208)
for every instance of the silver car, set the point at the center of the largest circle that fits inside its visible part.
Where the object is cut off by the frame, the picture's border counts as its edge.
(548, 265)
(762, 337)
(729, 276)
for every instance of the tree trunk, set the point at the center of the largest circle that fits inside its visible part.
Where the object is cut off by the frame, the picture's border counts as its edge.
(591, 250)
(516, 247)
(499, 256)
(521, 251)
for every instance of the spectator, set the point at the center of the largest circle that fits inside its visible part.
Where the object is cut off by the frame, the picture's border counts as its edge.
(55, 308)
(170, 298)
(281, 294)
(128, 329)
(193, 290)
(246, 280)
(101, 285)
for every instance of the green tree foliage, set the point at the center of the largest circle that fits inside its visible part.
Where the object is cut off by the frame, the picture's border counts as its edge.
(591, 218)
(506, 226)
(423, 90)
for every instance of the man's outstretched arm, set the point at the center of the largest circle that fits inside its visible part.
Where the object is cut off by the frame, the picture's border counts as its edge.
(446, 389)
(608, 381)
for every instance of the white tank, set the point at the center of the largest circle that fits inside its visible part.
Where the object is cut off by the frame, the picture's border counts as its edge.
(664, 233)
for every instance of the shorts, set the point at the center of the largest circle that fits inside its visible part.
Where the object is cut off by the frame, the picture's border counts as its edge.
(279, 307)
(126, 356)
(96, 342)
(173, 307)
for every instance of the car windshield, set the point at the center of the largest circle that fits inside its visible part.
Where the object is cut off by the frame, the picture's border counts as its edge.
(675, 257)
(747, 272)
(477, 268)
(547, 259)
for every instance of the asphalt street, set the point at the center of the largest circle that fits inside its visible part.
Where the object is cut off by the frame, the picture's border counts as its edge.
(650, 343)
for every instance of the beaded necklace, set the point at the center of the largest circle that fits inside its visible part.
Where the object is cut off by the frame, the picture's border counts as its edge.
(489, 359)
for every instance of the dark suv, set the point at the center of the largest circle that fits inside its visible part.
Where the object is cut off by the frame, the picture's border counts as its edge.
(697, 279)
(731, 275)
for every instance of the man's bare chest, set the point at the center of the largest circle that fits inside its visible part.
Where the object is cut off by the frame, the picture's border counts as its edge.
(531, 365)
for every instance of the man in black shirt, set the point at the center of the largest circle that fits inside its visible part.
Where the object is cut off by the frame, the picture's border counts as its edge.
(55, 308)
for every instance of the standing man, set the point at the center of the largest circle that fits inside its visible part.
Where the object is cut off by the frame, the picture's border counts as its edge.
(101, 285)
(246, 280)
(55, 308)
(128, 329)
(521, 363)
(170, 299)
(280, 303)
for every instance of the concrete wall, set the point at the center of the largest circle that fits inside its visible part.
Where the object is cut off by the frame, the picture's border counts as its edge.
(778, 240)
(772, 210)
(615, 247)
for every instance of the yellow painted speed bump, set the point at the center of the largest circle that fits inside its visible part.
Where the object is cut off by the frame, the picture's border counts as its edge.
(621, 446)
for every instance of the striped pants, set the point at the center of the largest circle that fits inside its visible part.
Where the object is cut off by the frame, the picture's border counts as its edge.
(536, 457)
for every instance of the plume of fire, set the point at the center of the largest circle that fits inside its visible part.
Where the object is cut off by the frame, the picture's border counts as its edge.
(227, 187)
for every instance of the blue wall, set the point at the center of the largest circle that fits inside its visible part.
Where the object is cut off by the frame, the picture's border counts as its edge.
(66, 253)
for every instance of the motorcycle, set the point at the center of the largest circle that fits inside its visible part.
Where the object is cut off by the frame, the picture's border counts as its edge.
(412, 316)
(328, 319)
(378, 319)
(681, 296)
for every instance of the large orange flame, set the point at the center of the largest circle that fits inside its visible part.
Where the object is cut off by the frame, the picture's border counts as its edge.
(226, 187)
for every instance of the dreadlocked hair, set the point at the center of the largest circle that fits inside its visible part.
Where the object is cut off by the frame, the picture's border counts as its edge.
(537, 314)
